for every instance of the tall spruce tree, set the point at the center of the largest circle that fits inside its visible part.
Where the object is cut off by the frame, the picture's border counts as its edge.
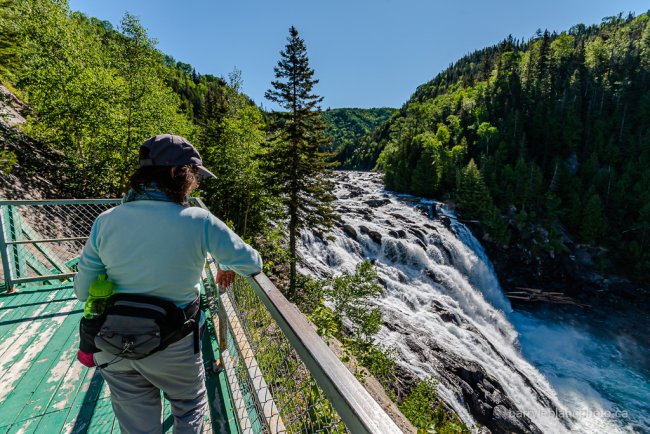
(300, 169)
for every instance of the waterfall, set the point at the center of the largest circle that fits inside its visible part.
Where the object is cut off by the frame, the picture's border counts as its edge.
(444, 311)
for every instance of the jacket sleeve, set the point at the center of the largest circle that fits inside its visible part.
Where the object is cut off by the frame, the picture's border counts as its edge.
(229, 250)
(90, 266)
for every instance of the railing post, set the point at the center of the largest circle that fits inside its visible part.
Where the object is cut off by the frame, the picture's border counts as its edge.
(223, 323)
(5, 256)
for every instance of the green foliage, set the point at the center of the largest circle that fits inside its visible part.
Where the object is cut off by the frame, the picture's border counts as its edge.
(10, 40)
(475, 200)
(345, 298)
(472, 193)
(341, 308)
(325, 321)
(299, 170)
(231, 140)
(419, 404)
(350, 296)
(7, 161)
(346, 126)
(97, 93)
(321, 413)
(378, 360)
(271, 243)
(191, 87)
(423, 409)
(593, 220)
(558, 128)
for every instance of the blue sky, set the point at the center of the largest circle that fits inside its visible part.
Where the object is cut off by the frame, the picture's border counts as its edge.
(365, 53)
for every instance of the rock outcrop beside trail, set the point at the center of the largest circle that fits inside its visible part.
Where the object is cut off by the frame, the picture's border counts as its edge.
(38, 172)
(33, 177)
(12, 110)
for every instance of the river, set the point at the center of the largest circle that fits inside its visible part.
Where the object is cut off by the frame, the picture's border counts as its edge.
(446, 316)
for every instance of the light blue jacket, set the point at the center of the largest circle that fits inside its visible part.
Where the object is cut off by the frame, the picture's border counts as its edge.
(159, 248)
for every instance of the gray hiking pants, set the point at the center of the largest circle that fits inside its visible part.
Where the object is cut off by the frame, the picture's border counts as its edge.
(135, 387)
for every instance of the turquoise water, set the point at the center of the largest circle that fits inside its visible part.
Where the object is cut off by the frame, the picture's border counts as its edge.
(598, 362)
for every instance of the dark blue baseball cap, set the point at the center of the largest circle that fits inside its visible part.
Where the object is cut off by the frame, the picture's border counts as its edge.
(170, 150)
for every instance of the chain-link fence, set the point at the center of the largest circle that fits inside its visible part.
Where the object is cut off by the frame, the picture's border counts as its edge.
(41, 240)
(276, 365)
(275, 389)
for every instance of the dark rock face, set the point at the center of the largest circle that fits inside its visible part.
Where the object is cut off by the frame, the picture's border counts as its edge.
(350, 231)
(419, 234)
(483, 396)
(40, 172)
(446, 221)
(400, 217)
(433, 276)
(375, 236)
(354, 191)
(524, 264)
(375, 203)
(420, 243)
(423, 209)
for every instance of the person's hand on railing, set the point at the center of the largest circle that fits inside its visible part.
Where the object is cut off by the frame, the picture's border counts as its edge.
(225, 278)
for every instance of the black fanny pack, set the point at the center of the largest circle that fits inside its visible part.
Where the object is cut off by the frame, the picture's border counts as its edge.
(135, 326)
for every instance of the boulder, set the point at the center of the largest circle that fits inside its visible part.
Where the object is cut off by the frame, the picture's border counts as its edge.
(375, 236)
(399, 216)
(419, 234)
(446, 221)
(375, 203)
(350, 231)
(420, 243)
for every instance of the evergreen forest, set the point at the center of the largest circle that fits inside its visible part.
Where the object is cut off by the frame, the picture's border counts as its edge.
(550, 134)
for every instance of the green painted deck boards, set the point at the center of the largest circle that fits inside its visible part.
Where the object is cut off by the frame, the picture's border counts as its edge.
(43, 389)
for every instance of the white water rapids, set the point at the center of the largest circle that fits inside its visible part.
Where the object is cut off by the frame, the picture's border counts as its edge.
(441, 293)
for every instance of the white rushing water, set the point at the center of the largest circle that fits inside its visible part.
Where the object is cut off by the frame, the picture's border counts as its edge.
(443, 297)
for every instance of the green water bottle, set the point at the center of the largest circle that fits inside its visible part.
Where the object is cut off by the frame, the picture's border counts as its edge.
(99, 292)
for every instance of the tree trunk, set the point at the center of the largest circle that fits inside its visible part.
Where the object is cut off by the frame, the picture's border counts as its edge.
(293, 220)
(293, 204)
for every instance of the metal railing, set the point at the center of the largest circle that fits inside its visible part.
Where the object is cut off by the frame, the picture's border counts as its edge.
(41, 239)
(282, 377)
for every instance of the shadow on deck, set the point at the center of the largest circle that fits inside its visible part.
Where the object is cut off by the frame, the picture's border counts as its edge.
(44, 388)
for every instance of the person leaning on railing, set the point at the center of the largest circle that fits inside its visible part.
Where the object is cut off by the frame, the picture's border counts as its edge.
(153, 244)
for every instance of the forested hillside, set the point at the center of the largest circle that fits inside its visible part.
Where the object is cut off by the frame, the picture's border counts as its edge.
(96, 92)
(93, 92)
(346, 126)
(552, 134)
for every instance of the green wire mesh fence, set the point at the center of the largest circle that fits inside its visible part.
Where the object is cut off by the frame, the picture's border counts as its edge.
(282, 377)
(276, 389)
(41, 240)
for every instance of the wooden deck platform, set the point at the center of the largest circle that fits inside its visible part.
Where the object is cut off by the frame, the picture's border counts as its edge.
(43, 389)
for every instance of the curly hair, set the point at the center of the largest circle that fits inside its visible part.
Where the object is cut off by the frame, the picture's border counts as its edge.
(177, 182)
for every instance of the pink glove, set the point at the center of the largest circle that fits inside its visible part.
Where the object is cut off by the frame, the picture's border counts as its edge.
(86, 359)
